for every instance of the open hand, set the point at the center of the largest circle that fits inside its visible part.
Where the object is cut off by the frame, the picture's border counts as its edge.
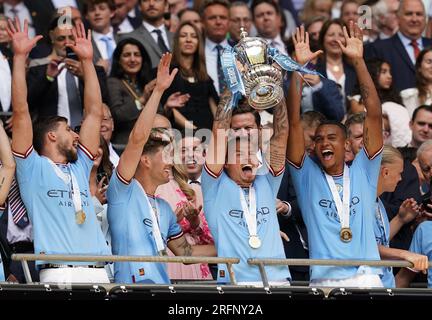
(177, 100)
(83, 46)
(408, 210)
(21, 43)
(354, 42)
(301, 46)
(164, 78)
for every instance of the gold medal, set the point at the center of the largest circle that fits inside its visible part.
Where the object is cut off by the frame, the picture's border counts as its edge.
(80, 217)
(254, 242)
(346, 234)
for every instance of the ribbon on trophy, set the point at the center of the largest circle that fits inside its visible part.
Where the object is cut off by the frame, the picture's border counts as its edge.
(232, 76)
(288, 64)
(260, 82)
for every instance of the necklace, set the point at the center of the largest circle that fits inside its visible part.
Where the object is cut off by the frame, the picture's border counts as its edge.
(335, 67)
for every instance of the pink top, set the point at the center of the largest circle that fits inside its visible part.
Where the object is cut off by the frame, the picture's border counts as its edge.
(172, 193)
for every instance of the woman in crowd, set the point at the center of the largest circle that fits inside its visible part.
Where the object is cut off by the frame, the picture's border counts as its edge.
(422, 93)
(129, 86)
(332, 64)
(186, 201)
(396, 113)
(390, 175)
(192, 81)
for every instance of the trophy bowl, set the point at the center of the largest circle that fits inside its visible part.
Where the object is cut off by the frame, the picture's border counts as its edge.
(262, 81)
(263, 86)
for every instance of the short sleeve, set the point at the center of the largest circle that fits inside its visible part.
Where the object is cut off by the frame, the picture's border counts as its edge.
(118, 186)
(210, 183)
(368, 164)
(26, 164)
(275, 181)
(85, 158)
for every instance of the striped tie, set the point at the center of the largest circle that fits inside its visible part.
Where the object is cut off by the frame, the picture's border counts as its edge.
(18, 210)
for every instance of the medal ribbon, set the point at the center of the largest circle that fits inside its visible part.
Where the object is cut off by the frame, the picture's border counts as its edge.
(250, 212)
(379, 213)
(75, 189)
(155, 222)
(342, 209)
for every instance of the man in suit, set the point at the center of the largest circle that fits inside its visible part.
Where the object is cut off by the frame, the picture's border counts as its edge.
(215, 19)
(240, 16)
(99, 14)
(56, 87)
(153, 34)
(402, 49)
(268, 21)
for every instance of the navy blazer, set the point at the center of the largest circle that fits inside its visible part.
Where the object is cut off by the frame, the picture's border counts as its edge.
(43, 94)
(350, 75)
(393, 51)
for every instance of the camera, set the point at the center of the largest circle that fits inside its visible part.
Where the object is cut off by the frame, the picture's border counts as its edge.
(70, 54)
(100, 176)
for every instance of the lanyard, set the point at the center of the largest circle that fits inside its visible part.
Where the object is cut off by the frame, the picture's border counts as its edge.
(342, 208)
(250, 211)
(380, 215)
(155, 222)
(76, 193)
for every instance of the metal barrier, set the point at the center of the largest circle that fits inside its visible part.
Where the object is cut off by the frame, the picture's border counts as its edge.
(74, 258)
(327, 262)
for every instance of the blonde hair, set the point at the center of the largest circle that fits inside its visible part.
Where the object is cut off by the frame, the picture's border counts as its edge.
(180, 176)
(390, 155)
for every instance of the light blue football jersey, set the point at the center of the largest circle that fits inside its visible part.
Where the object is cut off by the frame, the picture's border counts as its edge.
(48, 200)
(382, 234)
(2, 275)
(130, 222)
(224, 214)
(322, 221)
(421, 243)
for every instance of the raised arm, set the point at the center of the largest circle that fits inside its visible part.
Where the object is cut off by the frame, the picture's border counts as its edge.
(296, 144)
(278, 142)
(93, 114)
(215, 158)
(138, 137)
(22, 133)
(7, 169)
(372, 132)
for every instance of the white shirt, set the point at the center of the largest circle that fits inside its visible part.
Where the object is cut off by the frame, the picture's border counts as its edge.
(278, 44)
(211, 54)
(198, 179)
(15, 233)
(101, 45)
(22, 13)
(64, 3)
(406, 42)
(162, 28)
(5, 83)
(63, 102)
(125, 26)
(113, 156)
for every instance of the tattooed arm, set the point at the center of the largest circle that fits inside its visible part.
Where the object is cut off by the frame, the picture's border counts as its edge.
(278, 142)
(180, 247)
(372, 132)
(7, 169)
(215, 158)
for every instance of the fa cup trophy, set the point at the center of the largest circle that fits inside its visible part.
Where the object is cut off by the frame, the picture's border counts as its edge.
(253, 69)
